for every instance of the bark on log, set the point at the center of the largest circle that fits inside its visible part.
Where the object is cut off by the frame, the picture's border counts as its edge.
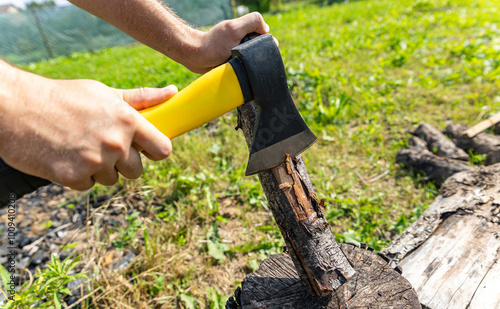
(375, 285)
(436, 168)
(319, 261)
(450, 254)
(483, 143)
(439, 144)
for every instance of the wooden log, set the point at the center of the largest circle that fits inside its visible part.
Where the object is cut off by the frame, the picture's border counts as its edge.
(436, 168)
(316, 255)
(417, 143)
(276, 284)
(450, 254)
(439, 144)
(482, 143)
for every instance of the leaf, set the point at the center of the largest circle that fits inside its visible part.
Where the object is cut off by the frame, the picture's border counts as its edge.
(65, 291)
(350, 236)
(5, 276)
(254, 265)
(189, 301)
(9, 305)
(57, 300)
(215, 252)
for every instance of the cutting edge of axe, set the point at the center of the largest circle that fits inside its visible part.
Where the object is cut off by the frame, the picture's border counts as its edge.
(255, 73)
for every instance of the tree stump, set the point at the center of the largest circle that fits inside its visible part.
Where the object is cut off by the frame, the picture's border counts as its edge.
(450, 254)
(276, 285)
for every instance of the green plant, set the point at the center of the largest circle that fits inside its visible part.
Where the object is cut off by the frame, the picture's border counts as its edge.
(48, 288)
(215, 300)
(216, 248)
(127, 236)
(475, 158)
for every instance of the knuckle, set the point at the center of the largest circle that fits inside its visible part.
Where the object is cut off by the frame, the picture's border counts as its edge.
(109, 179)
(229, 26)
(141, 92)
(257, 17)
(116, 145)
(82, 186)
(72, 179)
(127, 115)
(92, 161)
(75, 176)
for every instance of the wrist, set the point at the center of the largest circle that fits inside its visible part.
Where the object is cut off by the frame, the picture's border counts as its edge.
(184, 45)
(9, 77)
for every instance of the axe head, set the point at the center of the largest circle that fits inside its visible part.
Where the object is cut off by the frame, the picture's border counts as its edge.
(279, 129)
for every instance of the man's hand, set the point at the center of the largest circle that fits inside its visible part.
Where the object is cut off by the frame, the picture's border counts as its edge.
(76, 132)
(216, 44)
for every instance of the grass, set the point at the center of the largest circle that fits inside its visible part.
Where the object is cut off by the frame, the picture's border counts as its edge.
(362, 74)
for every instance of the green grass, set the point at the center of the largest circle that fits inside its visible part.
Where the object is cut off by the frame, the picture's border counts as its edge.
(362, 74)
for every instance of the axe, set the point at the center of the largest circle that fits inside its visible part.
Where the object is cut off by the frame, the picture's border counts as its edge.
(254, 74)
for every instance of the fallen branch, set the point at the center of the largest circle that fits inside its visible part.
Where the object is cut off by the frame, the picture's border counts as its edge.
(436, 168)
(439, 144)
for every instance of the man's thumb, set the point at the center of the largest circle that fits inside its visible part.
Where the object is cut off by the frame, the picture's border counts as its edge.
(142, 98)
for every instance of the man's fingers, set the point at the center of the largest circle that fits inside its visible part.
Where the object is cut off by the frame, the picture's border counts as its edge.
(142, 98)
(131, 165)
(155, 145)
(106, 177)
(253, 22)
(81, 185)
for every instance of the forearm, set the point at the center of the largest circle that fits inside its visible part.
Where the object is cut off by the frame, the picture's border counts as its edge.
(13, 83)
(150, 23)
(8, 83)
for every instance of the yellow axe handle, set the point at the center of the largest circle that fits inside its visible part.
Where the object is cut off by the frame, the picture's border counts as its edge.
(210, 96)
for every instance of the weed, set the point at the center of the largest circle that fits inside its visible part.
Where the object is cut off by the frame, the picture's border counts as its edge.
(48, 288)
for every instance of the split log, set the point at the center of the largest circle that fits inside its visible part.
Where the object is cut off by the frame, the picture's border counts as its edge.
(450, 254)
(483, 143)
(439, 144)
(316, 255)
(276, 285)
(436, 168)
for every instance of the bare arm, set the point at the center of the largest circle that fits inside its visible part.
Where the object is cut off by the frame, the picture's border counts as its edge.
(153, 24)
